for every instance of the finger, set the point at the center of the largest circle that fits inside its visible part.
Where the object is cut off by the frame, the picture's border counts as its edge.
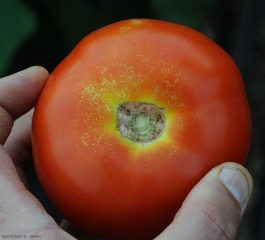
(20, 212)
(215, 206)
(18, 145)
(18, 94)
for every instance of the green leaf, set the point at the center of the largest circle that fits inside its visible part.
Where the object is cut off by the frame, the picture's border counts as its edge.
(17, 23)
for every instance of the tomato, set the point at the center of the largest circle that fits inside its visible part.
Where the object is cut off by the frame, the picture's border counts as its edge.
(131, 120)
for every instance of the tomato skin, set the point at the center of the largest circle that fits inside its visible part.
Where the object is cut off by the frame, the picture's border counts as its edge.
(107, 185)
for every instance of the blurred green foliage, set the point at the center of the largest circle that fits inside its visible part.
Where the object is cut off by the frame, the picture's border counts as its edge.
(63, 23)
(17, 23)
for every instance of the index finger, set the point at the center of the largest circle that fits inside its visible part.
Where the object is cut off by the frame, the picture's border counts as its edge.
(18, 94)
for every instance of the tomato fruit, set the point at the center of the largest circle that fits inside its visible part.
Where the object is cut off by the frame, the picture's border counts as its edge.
(131, 120)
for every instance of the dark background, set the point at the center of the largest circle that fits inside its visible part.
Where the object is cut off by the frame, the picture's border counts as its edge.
(43, 32)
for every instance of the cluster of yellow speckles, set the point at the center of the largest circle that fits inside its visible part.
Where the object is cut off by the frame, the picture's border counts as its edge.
(137, 21)
(132, 23)
(124, 29)
(164, 88)
(119, 82)
(101, 99)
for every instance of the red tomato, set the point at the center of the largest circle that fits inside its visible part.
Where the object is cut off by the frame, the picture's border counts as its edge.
(131, 120)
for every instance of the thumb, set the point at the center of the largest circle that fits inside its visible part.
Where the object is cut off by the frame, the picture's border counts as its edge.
(214, 207)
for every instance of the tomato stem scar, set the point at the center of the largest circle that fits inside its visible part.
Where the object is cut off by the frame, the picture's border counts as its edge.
(140, 122)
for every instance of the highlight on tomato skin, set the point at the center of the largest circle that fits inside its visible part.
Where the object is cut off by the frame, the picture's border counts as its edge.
(131, 120)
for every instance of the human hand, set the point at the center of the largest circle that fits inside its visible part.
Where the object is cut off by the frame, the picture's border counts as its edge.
(20, 212)
(214, 207)
(212, 210)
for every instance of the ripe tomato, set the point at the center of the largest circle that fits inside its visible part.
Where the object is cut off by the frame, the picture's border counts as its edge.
(131, 120)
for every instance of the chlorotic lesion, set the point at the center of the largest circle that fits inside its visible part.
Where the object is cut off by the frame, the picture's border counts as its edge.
(140, 122)
(114, 103)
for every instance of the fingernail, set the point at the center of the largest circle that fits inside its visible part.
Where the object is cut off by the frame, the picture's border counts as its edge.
(235, 181)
